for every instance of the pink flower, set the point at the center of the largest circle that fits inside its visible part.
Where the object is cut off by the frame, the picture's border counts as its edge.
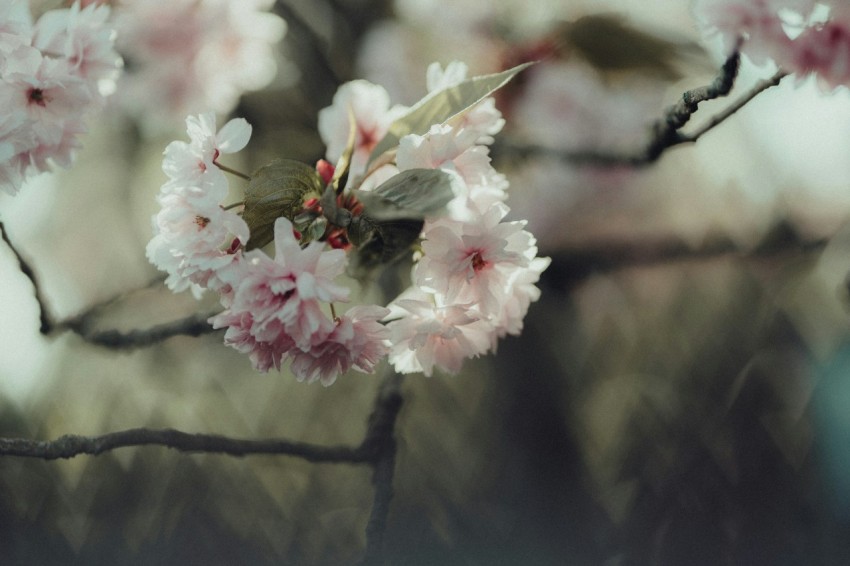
(758, 22)
(454, 151)
(285, 295)
(15, 26)
(370, 105)
(358, 341)
(521, 292)
(825, 51)
(424, 335)
(189, 56)
(263, 355)
(466, 262)
(84, 42)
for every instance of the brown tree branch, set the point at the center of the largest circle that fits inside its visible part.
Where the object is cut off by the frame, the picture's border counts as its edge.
(381, 441)
(378, 450)
(69, 446)
(45, 325)
(666, 132)
(194, 325)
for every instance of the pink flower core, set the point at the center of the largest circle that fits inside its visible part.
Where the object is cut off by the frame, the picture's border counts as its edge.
(478, 262)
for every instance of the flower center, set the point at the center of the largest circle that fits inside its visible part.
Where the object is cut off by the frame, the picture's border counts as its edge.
(202, 221)
(478, 262)
(36, 96)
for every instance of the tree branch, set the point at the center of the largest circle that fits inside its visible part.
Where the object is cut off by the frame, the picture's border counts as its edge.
(380, 441)
(83, 324)
(69, 446)
(45, 325)
(194, 325)
(666, 132)
(572, 266)
(378, 450)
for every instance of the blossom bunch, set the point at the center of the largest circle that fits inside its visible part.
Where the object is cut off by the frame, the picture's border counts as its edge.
(187, 56)
(409, 184)
(803, 37)
(53, 72)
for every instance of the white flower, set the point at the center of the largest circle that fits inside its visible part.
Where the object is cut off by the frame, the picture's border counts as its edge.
(424, 336)
(195, 241)
(193, 165)
(370, 105)
(466, 262)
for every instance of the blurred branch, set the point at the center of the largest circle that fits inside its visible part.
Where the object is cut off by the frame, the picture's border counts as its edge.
(381, 441)
(666, 132)
(194, 325)
(378, 450)
(69, 446)
(83, 324)
(317, 45)
(570, 267)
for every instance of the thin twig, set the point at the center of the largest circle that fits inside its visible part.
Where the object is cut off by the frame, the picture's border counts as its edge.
(194, 325)
(83, 324)
(735, 106)
(45, 323)
(666, 132)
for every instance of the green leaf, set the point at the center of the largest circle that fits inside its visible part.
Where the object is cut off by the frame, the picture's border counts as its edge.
(415, 193)
(277, 190)
(440, 106)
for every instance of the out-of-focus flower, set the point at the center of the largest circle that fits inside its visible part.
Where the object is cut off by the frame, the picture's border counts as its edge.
(186, 56)
(52, 74)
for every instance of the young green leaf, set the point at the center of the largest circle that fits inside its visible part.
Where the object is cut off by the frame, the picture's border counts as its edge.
(442, 105)
(277, 190)
(415, 193)
(340, 175)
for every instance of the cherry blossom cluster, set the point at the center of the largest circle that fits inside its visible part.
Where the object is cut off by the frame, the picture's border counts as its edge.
(801, 36)
(186, 56)
(53, 72)
(275, 308)
(473, 276)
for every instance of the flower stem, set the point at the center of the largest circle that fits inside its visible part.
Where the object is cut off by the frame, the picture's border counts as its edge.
(234, 205)
(232, 171)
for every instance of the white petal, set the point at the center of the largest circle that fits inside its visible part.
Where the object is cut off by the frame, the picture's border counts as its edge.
(233, 136)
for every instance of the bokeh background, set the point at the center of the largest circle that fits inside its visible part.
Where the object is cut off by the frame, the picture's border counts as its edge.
(680, 394)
